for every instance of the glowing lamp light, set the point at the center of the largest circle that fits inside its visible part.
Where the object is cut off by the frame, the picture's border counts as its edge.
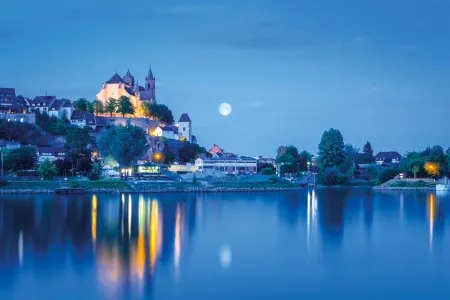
(157, 156)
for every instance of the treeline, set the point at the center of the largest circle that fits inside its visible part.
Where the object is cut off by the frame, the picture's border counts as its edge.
(79, 146)
(124, 106)
(125, 145)
(337, 162)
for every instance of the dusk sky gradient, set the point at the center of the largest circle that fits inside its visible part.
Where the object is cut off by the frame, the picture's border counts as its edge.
(375, 70)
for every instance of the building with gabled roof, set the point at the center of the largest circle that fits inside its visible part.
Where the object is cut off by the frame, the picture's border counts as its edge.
(118, 86)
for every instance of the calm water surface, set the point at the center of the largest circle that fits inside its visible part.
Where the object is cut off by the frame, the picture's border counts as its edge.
(327, 244)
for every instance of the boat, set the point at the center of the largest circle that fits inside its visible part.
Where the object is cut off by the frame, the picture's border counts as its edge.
(444, 185)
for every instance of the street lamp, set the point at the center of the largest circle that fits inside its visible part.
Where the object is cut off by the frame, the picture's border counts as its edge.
(308, 163)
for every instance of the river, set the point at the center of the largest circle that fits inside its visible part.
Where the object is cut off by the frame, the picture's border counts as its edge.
(323, 244)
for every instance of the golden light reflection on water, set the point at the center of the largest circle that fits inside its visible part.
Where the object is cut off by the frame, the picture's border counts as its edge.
(94, 219)
(155, 238)
(140, 257)
(431, 216)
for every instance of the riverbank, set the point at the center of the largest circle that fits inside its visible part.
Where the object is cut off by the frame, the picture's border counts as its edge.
(109, 186)
(407, 184)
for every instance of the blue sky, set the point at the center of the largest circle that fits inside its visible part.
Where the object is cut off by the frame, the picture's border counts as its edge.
(376, 70)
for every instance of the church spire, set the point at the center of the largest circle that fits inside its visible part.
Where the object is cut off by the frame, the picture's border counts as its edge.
(150, 73)
(136, 87)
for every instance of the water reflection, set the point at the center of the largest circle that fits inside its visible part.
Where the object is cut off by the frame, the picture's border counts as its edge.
(126, 241)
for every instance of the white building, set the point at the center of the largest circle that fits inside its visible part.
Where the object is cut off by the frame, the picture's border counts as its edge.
(388, 157)
(81, 119)
(41, 103)
(228, 165)
(185, 128)
(51, 153)
(169, 132)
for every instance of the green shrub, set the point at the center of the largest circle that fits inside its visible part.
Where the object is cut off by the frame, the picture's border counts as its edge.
(268, 171)
(334, 176)
(387, 174)
(74, 184)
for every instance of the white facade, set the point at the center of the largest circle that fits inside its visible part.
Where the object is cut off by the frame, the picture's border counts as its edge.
(184, 130)
(167, 133)
(78, 122)
(50, 153)
(227, 165)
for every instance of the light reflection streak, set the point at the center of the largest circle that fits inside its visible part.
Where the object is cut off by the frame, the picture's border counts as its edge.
(177, 243)
(311, 214)
(21, 248)
(431, 217)
(140, 257)
(155, 233)
(94, 220)
(129, 218)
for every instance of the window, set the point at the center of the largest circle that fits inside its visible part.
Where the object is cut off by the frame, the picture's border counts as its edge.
(184, 128)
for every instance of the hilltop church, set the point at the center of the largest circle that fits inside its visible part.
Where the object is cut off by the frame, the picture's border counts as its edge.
(118, 86)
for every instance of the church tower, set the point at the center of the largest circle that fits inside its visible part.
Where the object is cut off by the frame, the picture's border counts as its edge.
(150, 81)
(129, 79)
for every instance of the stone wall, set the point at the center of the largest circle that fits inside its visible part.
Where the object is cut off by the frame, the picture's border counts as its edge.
(25, 118)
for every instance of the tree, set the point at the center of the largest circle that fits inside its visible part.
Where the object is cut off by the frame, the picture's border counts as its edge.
(331, 150)
(387, 174)
(368, 153)
(64, 166)
(124, 143)
(47, 169)
(351, 152)
(81, 104)
(303, 159)
(168, 155)
(163, 113)
(78, 139)
(125, 106)
(98, 107)
(111, 106)
(96, 171)
(148, 110)
(268, 170)
(415, 170)
(189, 152)
(333, 176)
(288, 159)
(23, 158)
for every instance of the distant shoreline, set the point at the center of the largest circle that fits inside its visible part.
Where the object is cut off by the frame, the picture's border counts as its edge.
(158, 190)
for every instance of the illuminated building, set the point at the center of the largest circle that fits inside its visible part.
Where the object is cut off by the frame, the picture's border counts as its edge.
(118, 86)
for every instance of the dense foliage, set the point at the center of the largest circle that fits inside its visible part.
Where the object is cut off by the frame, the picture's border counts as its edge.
(51, 124)
(84, 105)
(47, 169)
(110, 106)
(23, 158)
(124, 143)
(26, 134)
(387, 174)
(189, 152)
(291, 161)
(124, 106)
(157, 112)
(335, 165)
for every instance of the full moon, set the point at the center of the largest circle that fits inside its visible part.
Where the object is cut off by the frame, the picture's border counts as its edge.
(225, 109)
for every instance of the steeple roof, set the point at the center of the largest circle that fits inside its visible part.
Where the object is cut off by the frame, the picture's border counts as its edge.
(115, 79)
(136, 87)
(128, 73)
(150, 73)
(184, 118)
